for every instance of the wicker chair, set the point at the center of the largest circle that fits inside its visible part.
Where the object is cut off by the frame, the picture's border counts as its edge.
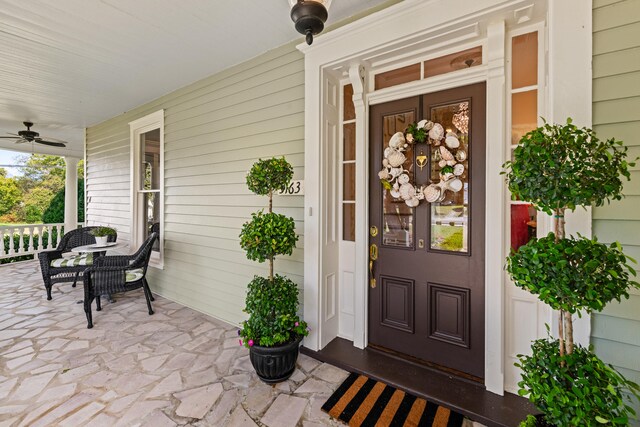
(56, 269)
(115, 274)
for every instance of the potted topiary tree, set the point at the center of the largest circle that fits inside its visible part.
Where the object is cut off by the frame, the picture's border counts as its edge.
(557, 168)
(273, 330)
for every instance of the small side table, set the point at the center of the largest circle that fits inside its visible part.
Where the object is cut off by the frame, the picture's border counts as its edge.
(93, 248)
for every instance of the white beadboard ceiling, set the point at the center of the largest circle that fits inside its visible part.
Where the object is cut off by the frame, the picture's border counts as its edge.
(69, 64)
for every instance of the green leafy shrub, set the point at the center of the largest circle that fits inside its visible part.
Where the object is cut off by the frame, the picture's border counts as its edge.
(563, 166)
(267, 176)
(572, 274)
(268, 235)
(102, 232)
(574, 389)
(272, 306)
(271, 302)
(55, 211)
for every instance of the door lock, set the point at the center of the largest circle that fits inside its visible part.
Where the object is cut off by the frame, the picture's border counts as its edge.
(421, 243)
(373, 231)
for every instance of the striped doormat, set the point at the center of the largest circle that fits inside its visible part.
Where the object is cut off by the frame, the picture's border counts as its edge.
(363, 402)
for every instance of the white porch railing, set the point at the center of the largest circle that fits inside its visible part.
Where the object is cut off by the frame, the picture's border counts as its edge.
(28, 239)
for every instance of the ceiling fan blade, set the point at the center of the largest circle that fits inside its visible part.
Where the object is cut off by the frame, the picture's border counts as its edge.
(50, 143)
(10, 137)
(48, 138)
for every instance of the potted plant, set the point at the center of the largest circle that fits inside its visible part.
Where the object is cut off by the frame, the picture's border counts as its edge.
(560, 167)
(273, 330)
(102, 234)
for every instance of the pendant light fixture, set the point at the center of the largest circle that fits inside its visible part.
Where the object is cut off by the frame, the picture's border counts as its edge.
(309, 16)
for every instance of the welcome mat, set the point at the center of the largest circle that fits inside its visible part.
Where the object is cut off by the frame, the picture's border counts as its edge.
(363, 402)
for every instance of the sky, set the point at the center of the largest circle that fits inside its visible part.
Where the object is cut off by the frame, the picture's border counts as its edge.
(9, 158)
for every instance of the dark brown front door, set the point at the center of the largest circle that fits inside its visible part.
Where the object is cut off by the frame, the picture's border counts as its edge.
(428, 299)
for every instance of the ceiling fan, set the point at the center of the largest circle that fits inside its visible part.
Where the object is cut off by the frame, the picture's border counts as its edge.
(32, 136)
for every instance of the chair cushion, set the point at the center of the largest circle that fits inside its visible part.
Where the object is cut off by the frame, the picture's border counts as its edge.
(134, 275)
(73, 261)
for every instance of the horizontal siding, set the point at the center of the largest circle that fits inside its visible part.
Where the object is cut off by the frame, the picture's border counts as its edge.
(616, 113)
(215, 129)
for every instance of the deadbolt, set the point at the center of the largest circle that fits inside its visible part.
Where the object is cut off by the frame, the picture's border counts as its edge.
(421, 243)
(373, 231)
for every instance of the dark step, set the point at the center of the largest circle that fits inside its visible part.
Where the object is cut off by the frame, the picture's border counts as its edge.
(468, 398)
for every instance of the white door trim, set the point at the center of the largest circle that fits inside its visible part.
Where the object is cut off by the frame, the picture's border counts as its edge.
(375, 39)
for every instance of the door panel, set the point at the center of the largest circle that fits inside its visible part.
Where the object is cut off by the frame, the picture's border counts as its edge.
(428, 301)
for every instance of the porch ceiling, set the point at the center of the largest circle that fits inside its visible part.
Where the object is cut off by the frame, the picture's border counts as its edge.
(69, 64)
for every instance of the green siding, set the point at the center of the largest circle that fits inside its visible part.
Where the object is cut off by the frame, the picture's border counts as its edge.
(214, 130)
(616, 113)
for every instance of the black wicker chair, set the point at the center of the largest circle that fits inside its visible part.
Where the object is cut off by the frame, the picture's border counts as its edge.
(115, 274)
(56, 271)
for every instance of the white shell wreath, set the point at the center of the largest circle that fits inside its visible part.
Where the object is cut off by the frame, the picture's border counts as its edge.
(449, 155)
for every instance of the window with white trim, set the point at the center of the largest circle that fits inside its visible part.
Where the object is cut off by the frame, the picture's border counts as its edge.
(147, 182)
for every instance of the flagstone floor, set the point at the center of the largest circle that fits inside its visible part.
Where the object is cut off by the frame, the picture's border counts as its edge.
(177, 367)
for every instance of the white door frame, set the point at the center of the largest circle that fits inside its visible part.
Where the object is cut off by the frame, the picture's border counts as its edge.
(398, 31)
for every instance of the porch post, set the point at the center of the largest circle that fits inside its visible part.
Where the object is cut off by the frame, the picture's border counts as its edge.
(495, 211)
(71, 194)
(570, 95)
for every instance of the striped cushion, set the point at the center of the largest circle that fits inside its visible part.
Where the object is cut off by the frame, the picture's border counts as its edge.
(73, 261)
(134, 275)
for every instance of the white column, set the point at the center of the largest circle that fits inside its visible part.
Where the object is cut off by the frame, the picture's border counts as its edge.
(570, 95)
(360, 309)
(495, 214)
(71, 194)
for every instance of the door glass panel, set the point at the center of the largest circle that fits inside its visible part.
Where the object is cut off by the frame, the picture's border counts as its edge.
(449, 225)
(397, 217)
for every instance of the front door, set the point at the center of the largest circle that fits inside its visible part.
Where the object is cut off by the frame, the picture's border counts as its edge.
(427, 300)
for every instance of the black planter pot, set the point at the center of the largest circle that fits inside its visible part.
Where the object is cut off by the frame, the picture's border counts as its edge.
(275, 364)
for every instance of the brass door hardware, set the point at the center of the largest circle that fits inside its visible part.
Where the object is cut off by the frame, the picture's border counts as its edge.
(373, 255)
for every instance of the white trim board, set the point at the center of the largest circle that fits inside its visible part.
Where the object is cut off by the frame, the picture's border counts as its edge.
(355, 52)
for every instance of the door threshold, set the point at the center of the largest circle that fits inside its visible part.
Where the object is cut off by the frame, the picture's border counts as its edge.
(461, 395)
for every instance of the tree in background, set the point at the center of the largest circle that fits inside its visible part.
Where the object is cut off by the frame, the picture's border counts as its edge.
(9, 193)
(55, 211)
(41, 191)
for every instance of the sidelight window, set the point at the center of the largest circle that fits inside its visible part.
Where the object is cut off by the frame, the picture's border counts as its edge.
(524, 118)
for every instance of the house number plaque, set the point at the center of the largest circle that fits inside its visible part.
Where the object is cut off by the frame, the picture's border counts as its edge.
(295, 188)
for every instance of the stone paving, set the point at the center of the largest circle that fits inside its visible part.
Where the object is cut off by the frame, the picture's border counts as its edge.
(177, 367)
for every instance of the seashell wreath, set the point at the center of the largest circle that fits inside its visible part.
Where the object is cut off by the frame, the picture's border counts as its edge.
(396, 179)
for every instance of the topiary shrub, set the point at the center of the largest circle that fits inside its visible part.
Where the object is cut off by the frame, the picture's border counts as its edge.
(267, 235)
(271, 302)
(559, 167)
(572, 274)
(574, 389)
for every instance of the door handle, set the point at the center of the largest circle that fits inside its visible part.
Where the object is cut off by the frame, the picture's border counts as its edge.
(373, 255)
(372, 281)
